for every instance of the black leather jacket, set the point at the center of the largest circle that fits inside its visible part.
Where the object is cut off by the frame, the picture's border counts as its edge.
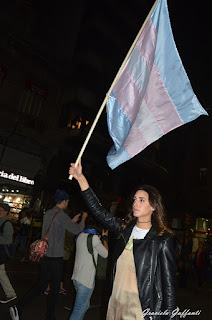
(154, 258)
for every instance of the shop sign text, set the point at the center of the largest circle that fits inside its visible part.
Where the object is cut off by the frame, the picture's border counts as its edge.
(16, 177)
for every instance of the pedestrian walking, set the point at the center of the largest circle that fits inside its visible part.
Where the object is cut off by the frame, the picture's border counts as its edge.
(143, 268)
(84, 269)
(52, 262)
(185, 259)
(22, 235)
(69, 249)
(6, 236)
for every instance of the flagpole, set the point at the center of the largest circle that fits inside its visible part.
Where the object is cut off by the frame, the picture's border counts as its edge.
(111, 88)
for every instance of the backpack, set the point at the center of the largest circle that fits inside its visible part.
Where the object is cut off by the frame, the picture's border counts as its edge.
(39, 247)
(101, 266)
(5, 249)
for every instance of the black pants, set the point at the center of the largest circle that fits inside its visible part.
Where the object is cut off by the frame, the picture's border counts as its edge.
(200, 277)
(184, 269)
(51, 273)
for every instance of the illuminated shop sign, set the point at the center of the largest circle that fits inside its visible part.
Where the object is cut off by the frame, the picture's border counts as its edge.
(16, 177)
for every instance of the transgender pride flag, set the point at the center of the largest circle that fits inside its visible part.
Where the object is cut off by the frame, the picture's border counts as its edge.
(153, 94)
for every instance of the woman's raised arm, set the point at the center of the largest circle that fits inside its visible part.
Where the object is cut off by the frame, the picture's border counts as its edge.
(76, 172)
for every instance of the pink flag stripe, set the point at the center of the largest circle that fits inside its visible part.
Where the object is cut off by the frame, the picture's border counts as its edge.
(135, 141)
(141, 58)
(147, 43)
(125, 86)
(160, 103)
(161, 109)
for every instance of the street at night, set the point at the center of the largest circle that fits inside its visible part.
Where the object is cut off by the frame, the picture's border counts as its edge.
(24, 275)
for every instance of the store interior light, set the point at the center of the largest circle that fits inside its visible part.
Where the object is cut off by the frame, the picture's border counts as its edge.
(17, 190)
(7, 190)
(1, 196)
(3, 190)
(12, 190)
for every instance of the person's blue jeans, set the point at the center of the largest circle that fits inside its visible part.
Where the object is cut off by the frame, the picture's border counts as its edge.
(82, 301)
(20, 240)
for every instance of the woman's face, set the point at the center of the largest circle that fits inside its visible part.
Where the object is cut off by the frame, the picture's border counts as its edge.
(141, 206)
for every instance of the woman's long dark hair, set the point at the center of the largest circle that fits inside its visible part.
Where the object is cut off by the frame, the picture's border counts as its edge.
(158, 216)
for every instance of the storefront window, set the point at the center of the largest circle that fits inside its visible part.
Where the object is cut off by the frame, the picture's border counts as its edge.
(15, 199)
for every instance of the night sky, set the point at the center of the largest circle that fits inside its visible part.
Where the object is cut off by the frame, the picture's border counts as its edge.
(190, 25)
(53, 26)
(192, 32)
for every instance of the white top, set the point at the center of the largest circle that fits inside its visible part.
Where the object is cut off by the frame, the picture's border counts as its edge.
(137, 233)
(84, 270)
(25, 220)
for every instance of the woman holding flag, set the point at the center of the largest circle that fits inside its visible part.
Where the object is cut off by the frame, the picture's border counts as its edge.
(143, 267)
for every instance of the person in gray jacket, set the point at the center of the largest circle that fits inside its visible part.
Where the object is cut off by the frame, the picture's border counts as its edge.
(52, 262)
(6, 237)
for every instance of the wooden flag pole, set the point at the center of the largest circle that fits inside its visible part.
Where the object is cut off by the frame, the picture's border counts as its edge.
(111, 88)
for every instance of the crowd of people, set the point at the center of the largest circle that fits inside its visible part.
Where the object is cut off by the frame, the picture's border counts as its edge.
(194, 258)
(145, 261)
